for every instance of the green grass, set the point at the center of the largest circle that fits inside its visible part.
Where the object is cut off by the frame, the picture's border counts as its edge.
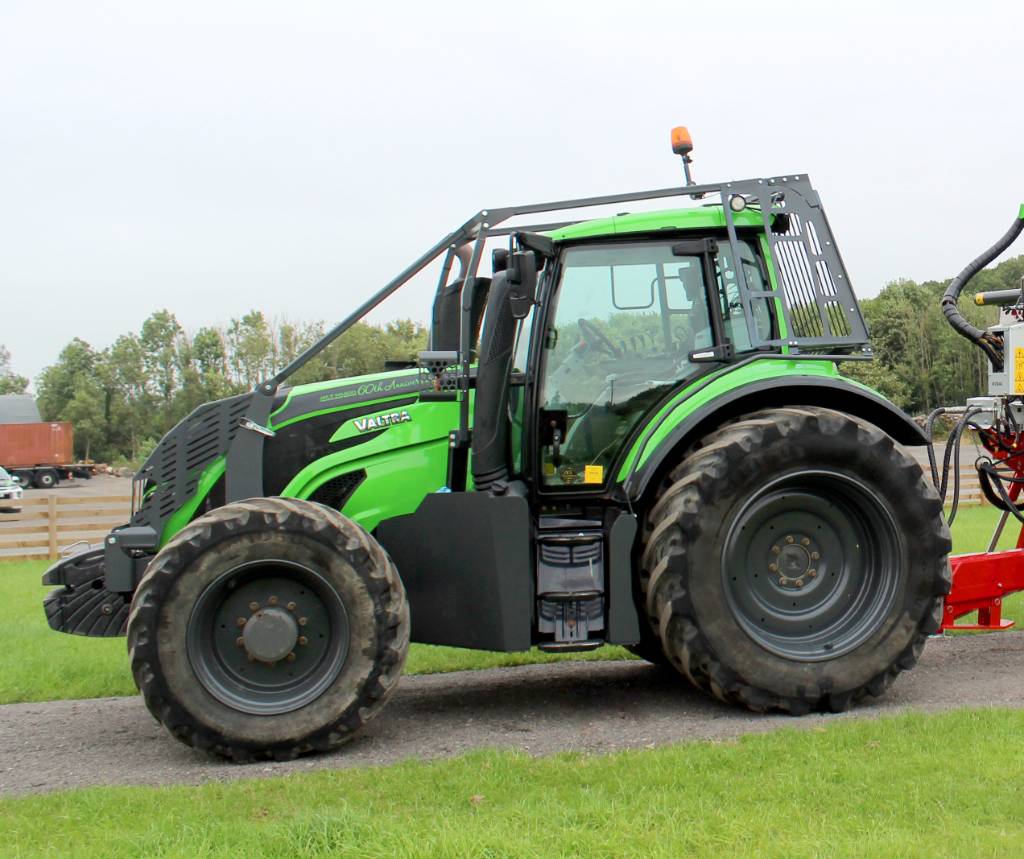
(37, 664)
(885, 788)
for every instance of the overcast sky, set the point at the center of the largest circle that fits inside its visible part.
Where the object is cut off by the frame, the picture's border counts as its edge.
(213, 157)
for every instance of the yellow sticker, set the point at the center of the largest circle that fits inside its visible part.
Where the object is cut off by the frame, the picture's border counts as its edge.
(595, 473)
(1018, 370)
(549, 469)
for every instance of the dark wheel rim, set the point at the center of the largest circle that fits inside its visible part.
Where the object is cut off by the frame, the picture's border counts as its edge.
(811, 565)
(268, 637)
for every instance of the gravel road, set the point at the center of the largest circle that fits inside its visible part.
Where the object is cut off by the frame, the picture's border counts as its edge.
(539, 709)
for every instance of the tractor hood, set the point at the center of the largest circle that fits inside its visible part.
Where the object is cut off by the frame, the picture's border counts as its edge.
(318, 431)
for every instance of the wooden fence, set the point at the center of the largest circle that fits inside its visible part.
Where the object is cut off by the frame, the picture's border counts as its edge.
(47, 525)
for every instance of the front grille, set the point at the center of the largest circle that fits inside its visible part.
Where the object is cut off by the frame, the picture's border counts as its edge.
(336, 491)
(174, 468)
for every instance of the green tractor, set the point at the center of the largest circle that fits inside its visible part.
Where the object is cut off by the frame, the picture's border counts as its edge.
(633, 430)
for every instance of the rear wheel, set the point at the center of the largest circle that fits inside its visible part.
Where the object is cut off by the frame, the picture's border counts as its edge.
(268, 628)
(46, 478)
(24, 478)
(797, 560)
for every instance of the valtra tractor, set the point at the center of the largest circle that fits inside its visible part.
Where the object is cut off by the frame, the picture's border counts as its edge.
(631, 430)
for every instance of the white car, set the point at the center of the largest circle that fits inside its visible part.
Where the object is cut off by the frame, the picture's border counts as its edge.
(10, 492)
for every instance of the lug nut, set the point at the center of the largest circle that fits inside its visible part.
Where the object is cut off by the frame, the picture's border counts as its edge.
(805, 542)
(241, 621)
(253, 605)
(290, 657)
(272, 601)
(815, 556)
(290, 606)
(789, 539)
(250, 657)
(240, 641)
(303, 640)
(782, 580)
(812, 573)
(776, 550)
(773, 568)
(799, 583)
(303, 621)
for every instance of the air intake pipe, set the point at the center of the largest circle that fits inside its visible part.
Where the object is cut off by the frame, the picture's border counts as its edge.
(509, 299)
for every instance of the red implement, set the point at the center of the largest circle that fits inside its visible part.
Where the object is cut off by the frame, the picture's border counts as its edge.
(981, 581)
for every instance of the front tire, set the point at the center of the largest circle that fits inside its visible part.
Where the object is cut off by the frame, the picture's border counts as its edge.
(270, 627)
(796, 560)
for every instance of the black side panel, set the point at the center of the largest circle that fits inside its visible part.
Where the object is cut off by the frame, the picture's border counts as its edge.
(623, 619)
(465, 561)
(243, 477)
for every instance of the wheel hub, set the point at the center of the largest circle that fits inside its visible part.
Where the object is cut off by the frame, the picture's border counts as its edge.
(794, 560)
(270, 634)
(810, 564)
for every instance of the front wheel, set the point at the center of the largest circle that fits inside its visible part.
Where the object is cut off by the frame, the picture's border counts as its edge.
(796, 560)
(268, 628)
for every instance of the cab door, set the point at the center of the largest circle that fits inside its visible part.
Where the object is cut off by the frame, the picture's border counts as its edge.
(622, 323)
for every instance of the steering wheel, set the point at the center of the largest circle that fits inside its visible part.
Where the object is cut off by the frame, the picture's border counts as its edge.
(596, 339)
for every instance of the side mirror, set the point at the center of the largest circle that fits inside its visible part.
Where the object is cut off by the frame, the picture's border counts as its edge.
(522, 275)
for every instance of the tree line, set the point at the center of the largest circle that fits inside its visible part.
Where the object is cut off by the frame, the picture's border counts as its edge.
(920, 362)
(122, 399)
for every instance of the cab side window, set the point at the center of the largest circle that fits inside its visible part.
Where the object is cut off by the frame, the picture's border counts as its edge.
(734, 323)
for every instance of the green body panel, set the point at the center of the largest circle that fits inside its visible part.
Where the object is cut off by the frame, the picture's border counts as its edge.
(403, 464)
(184, 514)
(701, 392)
(705, 218)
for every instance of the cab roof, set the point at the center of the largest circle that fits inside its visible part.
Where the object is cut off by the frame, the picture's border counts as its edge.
(702, 218)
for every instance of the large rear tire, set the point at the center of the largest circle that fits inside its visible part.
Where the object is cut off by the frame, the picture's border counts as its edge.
(268, 628)
(796, 560)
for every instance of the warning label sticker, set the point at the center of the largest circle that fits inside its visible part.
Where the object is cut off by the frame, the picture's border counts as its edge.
(1018, 370)
(595, 473)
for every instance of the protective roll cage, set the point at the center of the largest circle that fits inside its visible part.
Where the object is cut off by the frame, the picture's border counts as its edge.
(819, 311)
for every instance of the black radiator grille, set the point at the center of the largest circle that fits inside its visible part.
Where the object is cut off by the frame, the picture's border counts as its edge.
(173, 470)
(336, 491)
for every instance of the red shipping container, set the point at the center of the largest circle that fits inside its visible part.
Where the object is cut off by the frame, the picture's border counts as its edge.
(36, 444)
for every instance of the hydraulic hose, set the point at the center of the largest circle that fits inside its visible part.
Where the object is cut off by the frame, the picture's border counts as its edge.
(994, 490)
(990, 345)
(929, 425)
(955, 437)
(951, 456)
